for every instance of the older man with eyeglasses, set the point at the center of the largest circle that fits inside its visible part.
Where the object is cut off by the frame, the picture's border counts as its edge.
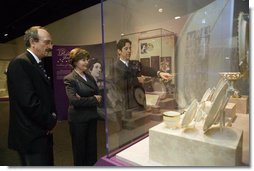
(32, 109)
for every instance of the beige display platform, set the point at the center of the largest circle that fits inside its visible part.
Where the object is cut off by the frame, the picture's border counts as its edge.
(138, 154)
(191, 147)
(241, 104)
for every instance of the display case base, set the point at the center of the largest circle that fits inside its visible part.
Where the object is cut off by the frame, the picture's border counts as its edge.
(137, 154)
(156, 117)
(191, 147)
(110, 161)
(241, 104)
(168, 103)
(138, 118)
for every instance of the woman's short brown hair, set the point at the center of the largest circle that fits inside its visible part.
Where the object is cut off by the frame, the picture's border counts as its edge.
(77, 54)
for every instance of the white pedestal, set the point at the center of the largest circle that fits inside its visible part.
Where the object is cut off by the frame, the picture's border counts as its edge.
(138, 154)
(241, 104)
(191, 147)
(230, 113)
(242, 122)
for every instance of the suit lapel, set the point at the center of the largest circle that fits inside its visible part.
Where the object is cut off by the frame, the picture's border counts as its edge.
(31, 58)
(89, 82)
(33, 61)
(122, 65)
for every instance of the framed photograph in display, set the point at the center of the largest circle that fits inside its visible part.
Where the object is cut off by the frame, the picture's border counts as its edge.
(154, 48)
(149, 47)
(160, 49)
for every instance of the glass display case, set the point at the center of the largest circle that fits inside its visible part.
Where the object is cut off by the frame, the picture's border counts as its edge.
(155, 49)
(193, 43)
(202, 45)
(147, 99)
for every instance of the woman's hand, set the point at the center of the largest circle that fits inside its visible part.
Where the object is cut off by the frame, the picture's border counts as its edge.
(98, 97)
(78, 96)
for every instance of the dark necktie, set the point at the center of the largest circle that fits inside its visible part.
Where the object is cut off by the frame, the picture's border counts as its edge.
(43, 70)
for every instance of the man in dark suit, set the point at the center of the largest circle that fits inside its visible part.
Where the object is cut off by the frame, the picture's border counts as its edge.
(32, 109)
(125, 73)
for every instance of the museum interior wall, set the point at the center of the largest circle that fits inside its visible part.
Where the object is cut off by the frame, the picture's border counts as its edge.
(84, 27)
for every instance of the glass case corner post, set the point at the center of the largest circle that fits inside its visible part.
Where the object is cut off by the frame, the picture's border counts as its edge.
(104, 78)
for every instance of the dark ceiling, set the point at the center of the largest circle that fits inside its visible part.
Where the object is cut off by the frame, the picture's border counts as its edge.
(18, 15)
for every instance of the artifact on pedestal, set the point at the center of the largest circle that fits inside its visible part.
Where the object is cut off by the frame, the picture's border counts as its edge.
(171, 119)
(231, 77)
(211, 108)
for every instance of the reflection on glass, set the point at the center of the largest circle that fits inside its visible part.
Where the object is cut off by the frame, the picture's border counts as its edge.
(143, 94)
(194, 47)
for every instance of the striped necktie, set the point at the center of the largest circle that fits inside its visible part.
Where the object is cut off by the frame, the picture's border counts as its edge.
(43, 70)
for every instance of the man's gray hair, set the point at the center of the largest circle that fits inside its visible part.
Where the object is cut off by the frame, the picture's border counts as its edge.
(32, 33)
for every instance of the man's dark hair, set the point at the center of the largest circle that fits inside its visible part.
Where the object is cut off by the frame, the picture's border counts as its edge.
(121, 43)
